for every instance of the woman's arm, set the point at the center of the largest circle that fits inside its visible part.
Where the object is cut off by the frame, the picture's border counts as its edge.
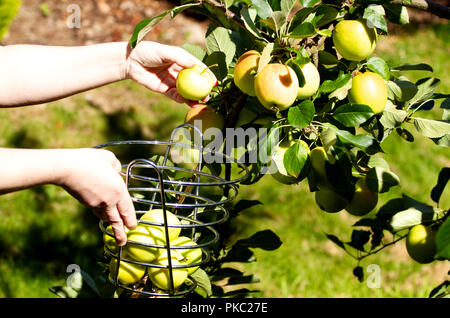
(33, 74)
(90, 175)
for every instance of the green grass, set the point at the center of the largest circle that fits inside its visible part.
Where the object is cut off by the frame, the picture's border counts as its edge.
(43, 229)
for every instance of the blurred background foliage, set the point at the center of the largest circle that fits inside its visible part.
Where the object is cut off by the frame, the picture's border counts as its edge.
(44, 229)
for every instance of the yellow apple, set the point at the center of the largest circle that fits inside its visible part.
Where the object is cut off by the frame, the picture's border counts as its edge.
(195, 83)
(191, 255)
(141, 234)
(421, 243)
(157, 216)
(276, 86)
(245, 71)
(129, 273)
(364, 200)
(110, 241)
(369, 89)
(354, 40)
(160, 277)
(311, 83)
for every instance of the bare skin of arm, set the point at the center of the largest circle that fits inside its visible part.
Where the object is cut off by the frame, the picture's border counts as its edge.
(31, 74)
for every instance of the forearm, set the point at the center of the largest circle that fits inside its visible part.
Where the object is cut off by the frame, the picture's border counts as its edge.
(24, 168)
(32, 74)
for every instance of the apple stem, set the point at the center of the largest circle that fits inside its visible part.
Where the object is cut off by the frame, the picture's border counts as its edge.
(213, 65)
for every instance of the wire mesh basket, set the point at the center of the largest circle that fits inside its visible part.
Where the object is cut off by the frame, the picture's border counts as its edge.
(196, 196)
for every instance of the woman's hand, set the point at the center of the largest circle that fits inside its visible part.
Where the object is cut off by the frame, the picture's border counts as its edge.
(92, 176)
(156, 66)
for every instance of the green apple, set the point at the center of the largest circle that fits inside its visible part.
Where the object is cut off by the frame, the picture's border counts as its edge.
(110, 241)
(160, 277)
(191, 255)
(311, 83)
(129, 273)
(353, 40)
(330, 201)
(195, 83)
(141, 234)
(245, 71)
(157, 216)
(421, 243)
(276, 86)
(369, 89)
(319, 157)
(364, 200)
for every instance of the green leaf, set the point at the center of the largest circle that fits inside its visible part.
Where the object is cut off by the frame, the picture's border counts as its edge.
(324, 14)
(392, 117)
(425, 90)
(379, 66)
(405, 134)
(295, 159)
(441, 291)
(303, 30)
(325, 32)
(431, 128)
(377, 161)
(374, 14)
(444, 141)
(445, 105)
(335, 240)
(308, 3)
(359, 238)
(402, 90)
(239, 253)
(405, 212)
(397, 14)
(248, 16)
(358, 272)
(266, 240)
(329, 86)
(364, 142)
(219, 59)
(380, 180)
(263, 8)
(203, 282)
(244, 279)
(443, 241)
(195, 50)
(145, 26)
(443, 178)
(229, 3)
(280, 20)
(352, 115)
(413, 67)
(266, 56)
(301, 115)
(287, 6)
(219, 40)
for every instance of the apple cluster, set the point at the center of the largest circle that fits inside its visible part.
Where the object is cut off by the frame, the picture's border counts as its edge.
(147, 249)
(329, 199)
(277, 86)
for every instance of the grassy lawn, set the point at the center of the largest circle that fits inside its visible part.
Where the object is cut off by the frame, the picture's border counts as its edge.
(43, 229)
